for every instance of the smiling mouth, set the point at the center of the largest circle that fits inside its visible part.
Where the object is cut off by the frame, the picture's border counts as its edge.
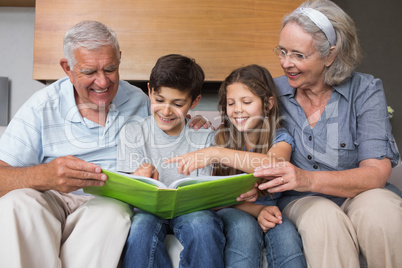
(100, 91)
(166, 120)
(293, 74)
(240, 120)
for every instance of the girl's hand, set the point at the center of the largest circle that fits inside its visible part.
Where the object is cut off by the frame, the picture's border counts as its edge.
(189, 162)
(250, 196)
(147, 170)
(269, 217)
(283, 176)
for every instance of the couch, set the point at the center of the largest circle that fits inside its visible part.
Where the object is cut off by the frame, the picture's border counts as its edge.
(174, 246)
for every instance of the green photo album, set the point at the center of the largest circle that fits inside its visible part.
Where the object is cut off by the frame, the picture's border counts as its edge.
(181, 197)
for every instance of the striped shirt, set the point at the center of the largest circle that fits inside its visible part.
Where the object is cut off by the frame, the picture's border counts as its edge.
(49, 125)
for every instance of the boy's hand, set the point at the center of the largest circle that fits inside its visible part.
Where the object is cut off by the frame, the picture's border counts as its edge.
(147, 170)
(269, 217)
(199, 121)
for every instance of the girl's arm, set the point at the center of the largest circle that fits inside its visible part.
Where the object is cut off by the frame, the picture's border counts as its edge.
(267, 216)
(241, 160)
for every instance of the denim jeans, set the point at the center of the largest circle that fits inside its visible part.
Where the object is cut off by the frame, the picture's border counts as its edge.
(200, 233)
(283, 246)
(245, 240)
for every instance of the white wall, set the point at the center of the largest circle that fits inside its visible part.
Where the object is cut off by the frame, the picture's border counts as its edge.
(16, 54)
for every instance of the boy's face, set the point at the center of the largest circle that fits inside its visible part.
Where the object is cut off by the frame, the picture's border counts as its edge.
(169, 107)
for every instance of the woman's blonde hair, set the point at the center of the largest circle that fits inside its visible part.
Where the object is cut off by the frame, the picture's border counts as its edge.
(348, 53)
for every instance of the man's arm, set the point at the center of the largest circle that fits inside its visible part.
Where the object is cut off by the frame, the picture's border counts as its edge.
(64, 174)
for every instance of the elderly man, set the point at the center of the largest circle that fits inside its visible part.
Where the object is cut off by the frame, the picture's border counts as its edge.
(57, 143)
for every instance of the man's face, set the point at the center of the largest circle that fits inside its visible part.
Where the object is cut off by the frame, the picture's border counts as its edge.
(95, 77)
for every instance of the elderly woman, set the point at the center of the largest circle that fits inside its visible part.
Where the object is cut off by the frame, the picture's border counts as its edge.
(335, 185)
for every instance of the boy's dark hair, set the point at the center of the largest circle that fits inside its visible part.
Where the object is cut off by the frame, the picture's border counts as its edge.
(178, 72)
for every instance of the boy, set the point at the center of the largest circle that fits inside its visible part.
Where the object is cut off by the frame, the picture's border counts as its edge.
(174, 88)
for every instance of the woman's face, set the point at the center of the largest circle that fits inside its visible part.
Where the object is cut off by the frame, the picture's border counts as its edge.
(307, 73)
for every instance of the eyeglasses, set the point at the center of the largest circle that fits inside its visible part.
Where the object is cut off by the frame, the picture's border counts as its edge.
(294, 56)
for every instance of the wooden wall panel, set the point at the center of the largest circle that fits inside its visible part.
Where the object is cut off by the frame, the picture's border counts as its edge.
(17, 3)
(220, 34)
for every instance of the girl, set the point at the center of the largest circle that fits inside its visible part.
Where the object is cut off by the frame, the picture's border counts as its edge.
(249, 136)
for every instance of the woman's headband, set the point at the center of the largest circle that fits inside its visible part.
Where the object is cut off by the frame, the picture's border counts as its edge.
(321, 21)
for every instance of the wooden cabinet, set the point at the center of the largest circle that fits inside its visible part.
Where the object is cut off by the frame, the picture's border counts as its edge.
(220, 34)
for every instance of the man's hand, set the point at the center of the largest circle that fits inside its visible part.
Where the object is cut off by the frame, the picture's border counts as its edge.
(67, 174)
(199, 121)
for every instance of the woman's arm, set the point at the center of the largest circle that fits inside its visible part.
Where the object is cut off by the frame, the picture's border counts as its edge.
(371, 173)
(369, 126)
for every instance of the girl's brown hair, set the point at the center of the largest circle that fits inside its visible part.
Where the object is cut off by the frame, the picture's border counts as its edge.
(259, 81)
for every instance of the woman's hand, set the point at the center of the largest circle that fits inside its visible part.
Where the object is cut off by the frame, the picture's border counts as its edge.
(283, 176)
(147, 170)
(269, 217)
(371, 173)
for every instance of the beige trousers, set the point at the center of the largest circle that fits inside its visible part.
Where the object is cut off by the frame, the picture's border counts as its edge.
(50, 230)
(369, 224)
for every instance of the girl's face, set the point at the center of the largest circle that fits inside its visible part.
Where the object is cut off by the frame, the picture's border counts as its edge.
(307, 73)
(244, 109)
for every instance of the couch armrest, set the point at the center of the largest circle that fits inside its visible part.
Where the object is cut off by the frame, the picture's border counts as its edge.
(2, 129)
(396, 177)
